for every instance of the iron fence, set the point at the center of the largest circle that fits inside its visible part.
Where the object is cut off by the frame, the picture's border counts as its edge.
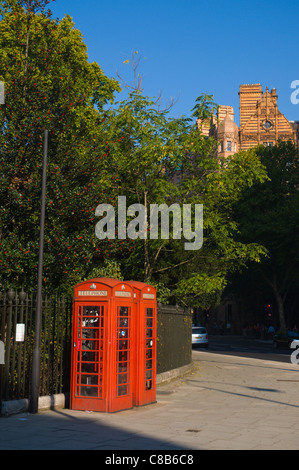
(17, 313)
(174, 337)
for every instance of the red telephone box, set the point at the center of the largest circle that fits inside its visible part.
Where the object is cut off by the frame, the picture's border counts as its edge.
(109, 332)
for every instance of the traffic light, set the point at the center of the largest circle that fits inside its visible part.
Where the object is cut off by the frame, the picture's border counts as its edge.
(269, 310)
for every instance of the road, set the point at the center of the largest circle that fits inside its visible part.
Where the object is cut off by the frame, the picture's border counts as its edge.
(246, 347)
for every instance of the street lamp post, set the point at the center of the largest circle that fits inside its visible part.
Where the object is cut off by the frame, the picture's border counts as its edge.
(35, 382)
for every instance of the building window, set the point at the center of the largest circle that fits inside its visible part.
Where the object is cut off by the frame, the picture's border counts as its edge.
(268, 144)
(221, 146)
(229, 146)
(267, 124)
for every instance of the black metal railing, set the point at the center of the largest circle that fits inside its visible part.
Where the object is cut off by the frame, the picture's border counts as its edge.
(17, 314)
(174, 337)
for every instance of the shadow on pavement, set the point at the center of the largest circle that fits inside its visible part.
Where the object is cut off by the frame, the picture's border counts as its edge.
(70, 430)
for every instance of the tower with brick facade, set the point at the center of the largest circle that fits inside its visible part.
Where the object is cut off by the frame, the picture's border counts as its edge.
(261, 122)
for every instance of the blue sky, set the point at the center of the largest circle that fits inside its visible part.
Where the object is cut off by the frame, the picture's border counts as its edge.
(189, 47)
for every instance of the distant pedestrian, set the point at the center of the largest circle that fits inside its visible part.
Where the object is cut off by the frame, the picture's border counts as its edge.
(258, 331)
(271, 331)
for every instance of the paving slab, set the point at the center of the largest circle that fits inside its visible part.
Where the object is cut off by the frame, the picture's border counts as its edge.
(225, 403)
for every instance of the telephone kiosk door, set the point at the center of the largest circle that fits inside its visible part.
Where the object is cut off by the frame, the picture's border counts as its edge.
(89, 353)
(122, 354)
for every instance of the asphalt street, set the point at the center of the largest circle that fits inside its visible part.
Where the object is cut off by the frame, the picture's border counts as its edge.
(248, 347)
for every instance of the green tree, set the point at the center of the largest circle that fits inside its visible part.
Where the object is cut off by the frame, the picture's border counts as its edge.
(206, 272)
(147, 155)
(158, 160)
(50, 84)
(268, 214)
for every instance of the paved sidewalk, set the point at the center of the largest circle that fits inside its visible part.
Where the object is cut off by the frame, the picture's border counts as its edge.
(225, 403)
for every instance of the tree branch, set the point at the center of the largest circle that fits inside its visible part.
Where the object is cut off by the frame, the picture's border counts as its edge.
(174, 266)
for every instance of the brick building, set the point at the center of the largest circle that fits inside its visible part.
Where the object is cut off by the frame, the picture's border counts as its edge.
(261, 122)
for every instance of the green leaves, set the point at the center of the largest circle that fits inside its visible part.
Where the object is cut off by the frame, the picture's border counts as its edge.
(268, 214)
(50, 84)
(204, 107)
(158, 160)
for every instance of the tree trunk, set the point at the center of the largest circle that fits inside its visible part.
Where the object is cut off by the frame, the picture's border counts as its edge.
(280, 306)
(278, 297)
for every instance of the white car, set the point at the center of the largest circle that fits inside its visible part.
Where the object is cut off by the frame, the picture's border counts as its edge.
(200, 336)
